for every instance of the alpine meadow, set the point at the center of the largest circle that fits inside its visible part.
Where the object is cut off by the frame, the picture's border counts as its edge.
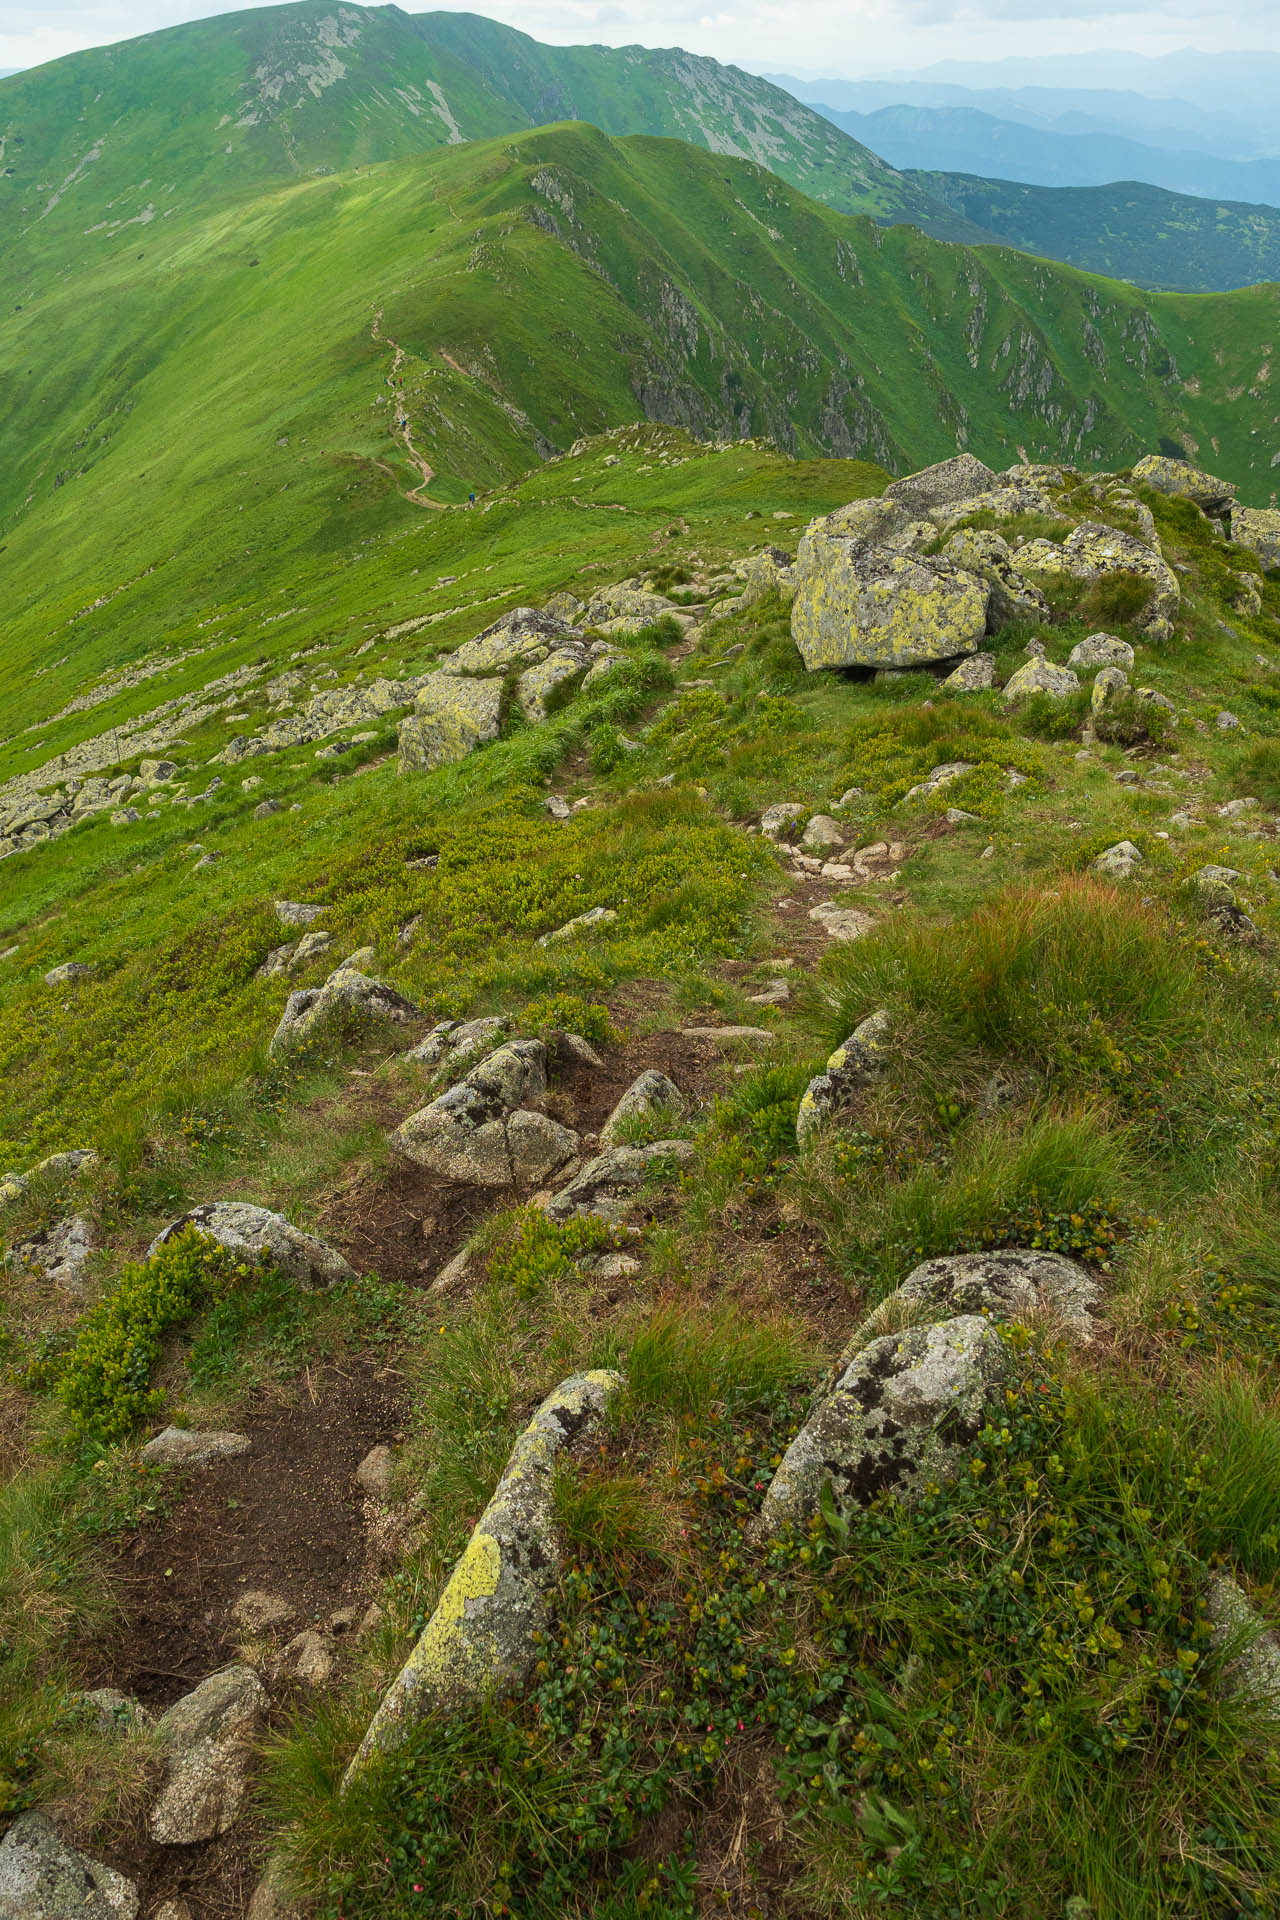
(639, 1002)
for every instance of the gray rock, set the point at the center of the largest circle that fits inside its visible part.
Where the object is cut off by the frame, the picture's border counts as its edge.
(483, 1631)
(607, 1187)
(863, 605)
(308, 1658)
(649, 1093)
(452, 716)
(478, 1133)
(60, 1254)
(974, 675)
(208, 1738)
(1040, 676)
(1258, 528)
(297, 913)
(42, 1878)
(1093, 551)
(942, 485)
(1253, 1669)
(1226, 722)
(345, 995)
(1180, 480)
(901, 1414)
(822, 831)
(373, 1475)
(68, 971)
(1101, 650)
(1006, 1285)
(114, 1712)
(261, 1612)
(731, 1036)
(55, 1169)
(841, 923)
(987, 555)
(1215, 882)
(185, 1447)
(941, 777)
(777, 821)
(855, 1064)
(1120, 861)
(263, 1235)
(458, 1042)
(540, 686)
(582, 923)
(265, 809)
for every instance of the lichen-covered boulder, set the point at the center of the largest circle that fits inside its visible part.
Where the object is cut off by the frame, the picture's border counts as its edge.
(625, 606)
(193, 1447)
(772, 570)
(1258, 528)
(1005, 501)
(478, 1132)
(857, 604)
(1101, 650)
(941, 485)
(262, 1235)
(880, 523)
(452, 716)
(855, 1064)
(1091, 552)
(539, 688)
(779, 821)
(608, 1186)
(1120, 861)
(207, 1737)
(650, 1092)
(987, 554)
(1109, 686)
(58, 1253)
(580, 924)
(900, 1414)
(481, 1634)
(977, 674)
(1215, 882)
(1041, 676)
(54, 1170)
(943, 776)
(42, 1878)
(521, 638)
(457, 1042)
(1252, 1668)
(1179, 480)
(1007, 1284)
(346, 995)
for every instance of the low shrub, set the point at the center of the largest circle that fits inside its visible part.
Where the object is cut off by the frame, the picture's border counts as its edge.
(570, 1014)
(1130, 722)
(535, 1252)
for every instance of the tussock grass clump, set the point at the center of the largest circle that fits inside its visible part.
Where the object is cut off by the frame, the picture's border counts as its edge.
(683, 1365)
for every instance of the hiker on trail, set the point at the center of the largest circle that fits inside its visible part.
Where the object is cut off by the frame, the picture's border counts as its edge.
(471, 498)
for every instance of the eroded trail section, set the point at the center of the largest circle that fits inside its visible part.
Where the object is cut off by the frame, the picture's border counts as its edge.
(401, 426)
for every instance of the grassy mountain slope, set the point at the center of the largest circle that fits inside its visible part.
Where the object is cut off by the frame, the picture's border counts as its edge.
(188, 428)
(1008, 1689)
(967, 141)
(152, 127)
(1138, 232)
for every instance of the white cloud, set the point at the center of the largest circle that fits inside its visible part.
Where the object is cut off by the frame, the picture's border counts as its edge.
(849, 37)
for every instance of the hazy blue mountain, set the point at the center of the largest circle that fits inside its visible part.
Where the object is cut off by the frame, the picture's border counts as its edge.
(962, 140)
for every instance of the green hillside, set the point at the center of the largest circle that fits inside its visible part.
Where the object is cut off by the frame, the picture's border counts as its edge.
(155, 127)
(194, 418)
(1134, 231)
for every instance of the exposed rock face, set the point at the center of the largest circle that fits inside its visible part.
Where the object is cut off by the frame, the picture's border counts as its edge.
(1258, 528)
(855, 1064)
(1180, 480)
(1005, 501)
(1041, 676)
(208, 1738)
(1254, 1670)
(1110, 685)
(624, 606)
(988, 555)
(55, 1169)
(1007, 1285)
(540, 688)
(452, 716)
(458, 1042)
(901, 1413)
(263, 1235)
(346, 994)
(481, 1633)
(522, 638)
(186, 1447)
(977, 674)
(42, 1878)
(941, 485)
(607, 1186)
(651, 1092)
(1091, 552)
(1101, 650)
(862, 605)
(478, 1132)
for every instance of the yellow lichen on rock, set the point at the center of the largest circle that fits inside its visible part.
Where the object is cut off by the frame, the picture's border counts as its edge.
(453, 715)
(862, 605)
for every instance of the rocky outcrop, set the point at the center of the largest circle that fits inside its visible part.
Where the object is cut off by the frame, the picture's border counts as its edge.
(207, 1739)
(522, 638)
(452, 716)
(479, 1132)
(42, 1878)
(54, 1170)
(1179, 480)
(649, 1094)
(988, 556)
(609, 1186)
(1006, 1284)
(1040, 676)
(456, 1043)
(1258, 529)
(262, 1235)
(941, 486)
(347, 995)
(1091, 552)
(857, 604)
(900, 1414)
(481, 1634)
(1120, 861)
(1101, 650)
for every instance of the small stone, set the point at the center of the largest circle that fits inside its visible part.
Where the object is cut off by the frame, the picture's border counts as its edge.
(1226, 722)
(114, 1712)
(259, 1612)
(172, 1910)
(777, 821)
(1215, 882)
(373, 1475)
(822, 831)
(1120, 861)
(731, 1036)
(558, 809)
(1102, 650)
(68, 971)
(208, 1736)
(1039, 676)
(1234, 808)
(344, 1620)
(297, 913)
(186, 1447)
(977, 674)
(616, 1266)
(841, 923)
(1109, 686)
(308, 1658)
(582, 923)
(265, 809)
(651, 1093)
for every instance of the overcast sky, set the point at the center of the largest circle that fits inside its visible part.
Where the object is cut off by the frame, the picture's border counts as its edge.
(849, 37)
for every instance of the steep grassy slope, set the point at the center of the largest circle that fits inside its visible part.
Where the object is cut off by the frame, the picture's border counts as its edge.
(188, 430)
(1137, 232)
(158, 126)
(1006, 1694)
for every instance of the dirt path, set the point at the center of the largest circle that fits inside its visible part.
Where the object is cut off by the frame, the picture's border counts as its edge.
(402, 429)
